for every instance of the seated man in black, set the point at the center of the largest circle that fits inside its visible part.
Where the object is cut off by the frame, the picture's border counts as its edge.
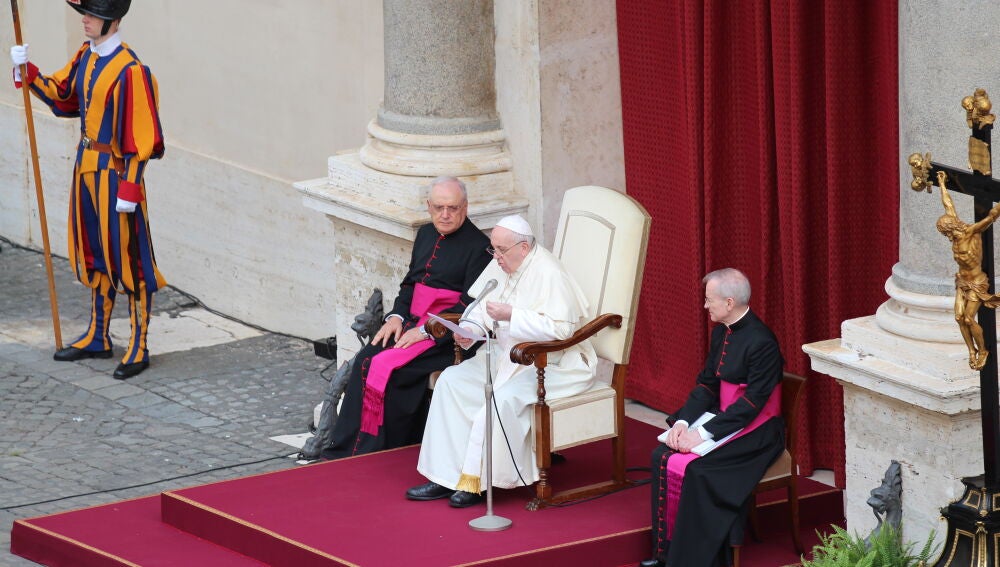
(386, 400)
(698, 502)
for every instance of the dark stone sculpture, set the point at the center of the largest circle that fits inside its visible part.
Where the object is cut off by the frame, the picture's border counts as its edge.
(366, 324)
(886, 501)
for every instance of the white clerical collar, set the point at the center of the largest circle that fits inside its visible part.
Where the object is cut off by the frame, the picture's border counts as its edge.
(738, 318)
(107, 47)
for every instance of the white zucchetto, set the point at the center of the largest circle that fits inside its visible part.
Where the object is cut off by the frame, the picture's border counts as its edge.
(516, 223)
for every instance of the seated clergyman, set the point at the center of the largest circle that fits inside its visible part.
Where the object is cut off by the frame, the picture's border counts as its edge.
(385, 402)
(699, 503)
(535, 300)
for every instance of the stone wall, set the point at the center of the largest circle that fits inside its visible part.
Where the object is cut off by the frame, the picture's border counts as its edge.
(251, 100)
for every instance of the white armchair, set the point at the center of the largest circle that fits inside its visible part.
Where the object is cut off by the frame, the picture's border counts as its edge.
(601, 239)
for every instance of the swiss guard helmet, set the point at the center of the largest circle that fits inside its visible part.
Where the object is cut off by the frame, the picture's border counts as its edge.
(107, 10)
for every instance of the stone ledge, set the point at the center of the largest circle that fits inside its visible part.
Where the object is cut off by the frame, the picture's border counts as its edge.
(907, 385)
(947, 361)
(394, 204)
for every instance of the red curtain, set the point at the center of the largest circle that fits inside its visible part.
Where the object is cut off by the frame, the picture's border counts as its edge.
(761, 135)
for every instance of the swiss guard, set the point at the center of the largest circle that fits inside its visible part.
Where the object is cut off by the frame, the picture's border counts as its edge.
(110, 248)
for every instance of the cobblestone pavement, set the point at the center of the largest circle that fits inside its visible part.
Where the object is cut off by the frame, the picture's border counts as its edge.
(73, 437)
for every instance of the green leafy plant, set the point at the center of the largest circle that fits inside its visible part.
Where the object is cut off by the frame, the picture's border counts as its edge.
(841, 549)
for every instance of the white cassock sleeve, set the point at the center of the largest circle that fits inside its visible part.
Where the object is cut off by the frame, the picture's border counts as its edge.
(528, 325)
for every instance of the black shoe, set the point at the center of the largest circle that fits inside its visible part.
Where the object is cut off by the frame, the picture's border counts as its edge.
(463, 499)
(429, 491)
(129, 370)
(71, 353)
(652, 562)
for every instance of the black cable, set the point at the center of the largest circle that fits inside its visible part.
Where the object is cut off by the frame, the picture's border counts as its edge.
(28, 248)
(198, 302)
(322, 373)
(240, 321)
(194, 299)
(510, 451)
(141, 485)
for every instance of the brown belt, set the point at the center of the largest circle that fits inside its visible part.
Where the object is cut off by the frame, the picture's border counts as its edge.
(116, 162)
(89, 144)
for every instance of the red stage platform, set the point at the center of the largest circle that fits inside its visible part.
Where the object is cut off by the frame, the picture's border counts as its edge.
(353, 512)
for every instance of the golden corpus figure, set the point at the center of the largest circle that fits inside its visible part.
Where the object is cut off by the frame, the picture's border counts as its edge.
(977, 116)
(971, 282)
(977, 109)
(920, 166)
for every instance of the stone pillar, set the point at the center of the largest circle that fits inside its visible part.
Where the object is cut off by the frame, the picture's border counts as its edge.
(438, 117)
(439, 69)
(909, 393)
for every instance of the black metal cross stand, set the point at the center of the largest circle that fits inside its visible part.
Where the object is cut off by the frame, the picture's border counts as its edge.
(974, 519)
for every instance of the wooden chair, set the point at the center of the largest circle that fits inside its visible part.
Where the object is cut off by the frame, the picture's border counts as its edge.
(601, 239)
(437, 330)
(784, 472)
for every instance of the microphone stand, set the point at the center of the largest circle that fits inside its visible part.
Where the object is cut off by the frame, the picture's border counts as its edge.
(489, 522)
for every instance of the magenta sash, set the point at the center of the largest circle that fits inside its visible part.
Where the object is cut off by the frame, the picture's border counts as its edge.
(677, 462)
(425, 300)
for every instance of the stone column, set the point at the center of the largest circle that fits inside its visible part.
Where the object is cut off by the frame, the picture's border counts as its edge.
(438, 117)
(439, 69)
(909, 393)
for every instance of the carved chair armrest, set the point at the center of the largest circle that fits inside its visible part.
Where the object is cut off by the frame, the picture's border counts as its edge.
(526, 353)
(437, 330)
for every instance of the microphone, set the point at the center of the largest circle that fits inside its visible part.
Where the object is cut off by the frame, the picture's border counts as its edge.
(490, 286)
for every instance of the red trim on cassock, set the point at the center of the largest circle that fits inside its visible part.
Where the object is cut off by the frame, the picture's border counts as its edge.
(427, 266)
(129, 191)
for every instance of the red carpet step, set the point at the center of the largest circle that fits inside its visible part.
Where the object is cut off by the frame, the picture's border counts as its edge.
(353, 512)
(126, 533)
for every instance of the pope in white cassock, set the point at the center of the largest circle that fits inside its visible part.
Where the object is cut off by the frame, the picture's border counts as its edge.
(535, 300)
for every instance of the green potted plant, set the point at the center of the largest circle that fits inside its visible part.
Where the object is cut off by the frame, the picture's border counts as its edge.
(886, 549)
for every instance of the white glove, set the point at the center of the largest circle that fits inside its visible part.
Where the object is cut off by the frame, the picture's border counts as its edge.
(123, 206)
(19, 54)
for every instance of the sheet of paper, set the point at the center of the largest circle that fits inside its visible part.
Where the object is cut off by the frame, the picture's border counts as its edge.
(459, 331)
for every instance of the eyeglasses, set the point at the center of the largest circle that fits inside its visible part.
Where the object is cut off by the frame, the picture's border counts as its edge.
(500, 251)
(451, 209)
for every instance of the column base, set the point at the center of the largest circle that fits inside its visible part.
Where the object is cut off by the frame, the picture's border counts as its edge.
(396, 204)
(430, 155)
(913, 401)
(918, 315)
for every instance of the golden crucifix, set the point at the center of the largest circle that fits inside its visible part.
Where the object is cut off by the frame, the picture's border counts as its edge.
(971, 282)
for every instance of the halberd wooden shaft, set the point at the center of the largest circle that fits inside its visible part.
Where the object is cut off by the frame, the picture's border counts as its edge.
(53, 302)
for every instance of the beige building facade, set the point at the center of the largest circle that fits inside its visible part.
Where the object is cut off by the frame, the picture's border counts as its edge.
(259, 99)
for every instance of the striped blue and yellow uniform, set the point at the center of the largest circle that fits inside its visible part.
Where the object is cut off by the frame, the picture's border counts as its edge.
(115, 97)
